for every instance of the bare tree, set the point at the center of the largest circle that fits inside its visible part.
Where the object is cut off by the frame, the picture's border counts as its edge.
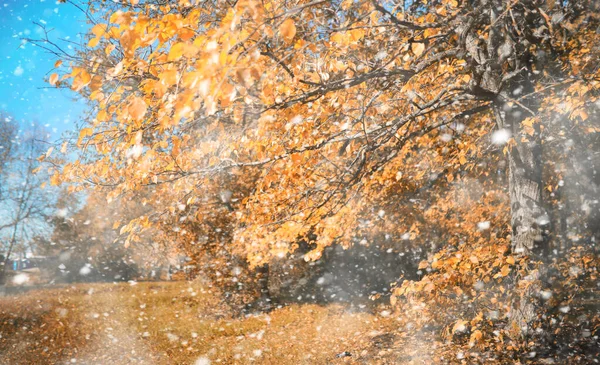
(24, 204)
(8, 131)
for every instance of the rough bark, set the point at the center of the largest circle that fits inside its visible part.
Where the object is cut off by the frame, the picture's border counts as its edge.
(527, 214)
(525, 183)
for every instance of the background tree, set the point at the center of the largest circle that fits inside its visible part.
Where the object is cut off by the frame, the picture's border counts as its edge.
(86, 246)
(7, 138)
(24, 204)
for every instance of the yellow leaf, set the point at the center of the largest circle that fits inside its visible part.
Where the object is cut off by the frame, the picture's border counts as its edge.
(124, 229)
(58, 63)
(510, 260)
(338, 38)
(505, 270)
(137, 108)
(176, 51)
(85, 132)
(288, 30)
(109, 48)
(81, 80)
(423, 264)
(417, 48)
(528, 122)
(55, 180)
(93, 42)
(98, 30)
(102, 116)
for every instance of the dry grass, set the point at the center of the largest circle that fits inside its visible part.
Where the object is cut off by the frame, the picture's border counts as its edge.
(180, 322)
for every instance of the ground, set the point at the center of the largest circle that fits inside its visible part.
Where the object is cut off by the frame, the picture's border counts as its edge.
(183, 323)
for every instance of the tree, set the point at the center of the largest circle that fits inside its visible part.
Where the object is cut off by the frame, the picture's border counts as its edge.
(7, 138)
(85, 245)
(23, 203)
(325, 112)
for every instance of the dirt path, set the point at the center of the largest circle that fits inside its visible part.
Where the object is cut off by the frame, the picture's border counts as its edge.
(116, 339)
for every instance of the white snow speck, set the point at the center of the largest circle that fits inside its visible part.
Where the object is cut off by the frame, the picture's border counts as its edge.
(18, 71)
(446, 137)
(381, 55)
(482, 226)
(500, 137)
(85, 270)
(564, 309)
(135, 151)
(479, 285)
(543, 220)
(20, 279)
(172, 337)
(202, 360)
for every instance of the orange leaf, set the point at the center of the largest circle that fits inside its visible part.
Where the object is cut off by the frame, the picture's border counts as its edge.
(288, 30)
(476, 336)
(417, 48)
(53, 79)
(137, 108)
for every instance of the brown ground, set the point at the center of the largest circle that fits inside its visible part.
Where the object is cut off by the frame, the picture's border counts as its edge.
(181, 323)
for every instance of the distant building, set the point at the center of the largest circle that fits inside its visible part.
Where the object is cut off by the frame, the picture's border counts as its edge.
(30, 266)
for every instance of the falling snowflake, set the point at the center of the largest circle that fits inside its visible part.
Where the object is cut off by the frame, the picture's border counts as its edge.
(18, 71)
(500, 137)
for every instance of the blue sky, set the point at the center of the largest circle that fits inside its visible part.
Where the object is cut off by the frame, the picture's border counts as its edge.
(23, 67)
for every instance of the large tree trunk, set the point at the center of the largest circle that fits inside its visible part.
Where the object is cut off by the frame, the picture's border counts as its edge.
(529, 220)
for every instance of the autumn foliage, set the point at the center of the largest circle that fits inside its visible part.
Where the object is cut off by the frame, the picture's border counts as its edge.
(251, 128)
